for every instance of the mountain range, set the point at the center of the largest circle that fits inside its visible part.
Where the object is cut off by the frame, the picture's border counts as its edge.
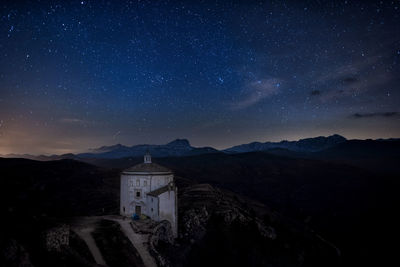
(181, 147)
(303, 145)
(178, 147)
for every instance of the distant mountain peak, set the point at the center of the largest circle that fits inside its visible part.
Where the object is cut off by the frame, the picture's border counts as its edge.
(332, 137)
(179, 143)
(312, 144)
(106, 148)
(337, 136)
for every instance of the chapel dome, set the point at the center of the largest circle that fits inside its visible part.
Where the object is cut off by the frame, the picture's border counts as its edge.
(147, 167)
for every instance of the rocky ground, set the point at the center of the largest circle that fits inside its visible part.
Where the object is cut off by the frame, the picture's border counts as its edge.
(219, 228)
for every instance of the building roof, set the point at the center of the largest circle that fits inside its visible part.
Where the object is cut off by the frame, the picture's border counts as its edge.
(160, 190)
(148, 168)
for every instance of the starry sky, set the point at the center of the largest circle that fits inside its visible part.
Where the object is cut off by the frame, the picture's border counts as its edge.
(81, 74)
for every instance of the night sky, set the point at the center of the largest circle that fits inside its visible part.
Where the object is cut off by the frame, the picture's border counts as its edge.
(82, 74)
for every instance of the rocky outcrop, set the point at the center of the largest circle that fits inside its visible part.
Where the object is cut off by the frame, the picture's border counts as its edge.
(221, 228)
(206, 201)
(162, 232)
(193, 223)
(56, 238)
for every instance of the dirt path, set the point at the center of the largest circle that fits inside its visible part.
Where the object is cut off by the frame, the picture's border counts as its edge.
(84, 230)
(139, 241)
(84, 226)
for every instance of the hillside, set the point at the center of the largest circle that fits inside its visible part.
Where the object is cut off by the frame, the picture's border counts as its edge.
(37, 196)
(32, 187)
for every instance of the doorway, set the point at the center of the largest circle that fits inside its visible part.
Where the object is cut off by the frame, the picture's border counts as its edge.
(138, 210)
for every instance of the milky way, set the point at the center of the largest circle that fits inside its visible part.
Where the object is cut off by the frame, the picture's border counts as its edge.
(80, 74)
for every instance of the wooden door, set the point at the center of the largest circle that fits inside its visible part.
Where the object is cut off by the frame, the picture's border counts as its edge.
(138, 210)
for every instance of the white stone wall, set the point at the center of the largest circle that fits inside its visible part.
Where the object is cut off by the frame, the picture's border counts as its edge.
(124, 203)
(132, 183)
(153, 207)
(158, 181)
(168, 209)
(163, 207)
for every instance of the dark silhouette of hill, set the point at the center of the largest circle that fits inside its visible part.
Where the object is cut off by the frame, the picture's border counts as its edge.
(30, 187)
(381, 156)
(364, 149)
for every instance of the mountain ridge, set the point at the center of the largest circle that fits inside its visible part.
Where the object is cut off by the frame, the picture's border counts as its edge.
(182, 147)
(312, 144)
(177, 147)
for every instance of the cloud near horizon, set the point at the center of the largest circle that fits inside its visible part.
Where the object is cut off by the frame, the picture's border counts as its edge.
(376, 114)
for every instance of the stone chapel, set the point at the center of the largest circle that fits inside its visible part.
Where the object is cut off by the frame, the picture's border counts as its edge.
(149, 189)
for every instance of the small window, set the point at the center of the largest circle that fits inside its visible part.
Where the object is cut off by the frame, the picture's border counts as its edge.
(138, 193)
(151, 209)
(152, 200)
(145, 183)
(137, 182)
